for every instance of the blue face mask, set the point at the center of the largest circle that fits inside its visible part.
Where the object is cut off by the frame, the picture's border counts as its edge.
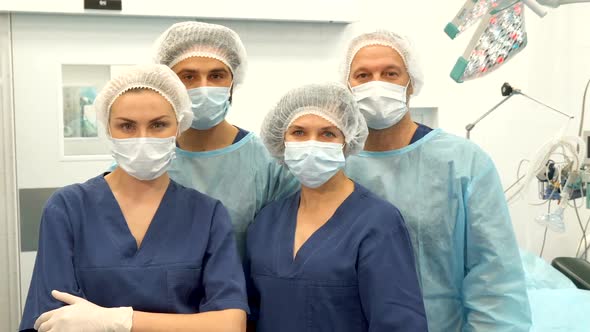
(210, 106)
(313, 162)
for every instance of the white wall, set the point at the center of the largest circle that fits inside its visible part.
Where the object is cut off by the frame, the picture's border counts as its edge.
(301, 10)
(275, 51)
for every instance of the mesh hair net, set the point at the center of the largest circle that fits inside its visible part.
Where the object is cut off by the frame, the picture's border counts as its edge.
(332, 101)
(158, 78)
(386, 38)
(197, 39)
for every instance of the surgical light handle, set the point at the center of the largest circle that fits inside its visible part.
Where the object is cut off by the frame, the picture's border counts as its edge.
(535, 7)
(557, 3)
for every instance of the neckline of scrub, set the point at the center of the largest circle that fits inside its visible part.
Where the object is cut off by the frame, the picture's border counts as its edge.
(405, 149)
(225, 150)
(291, 265)
(128, 245)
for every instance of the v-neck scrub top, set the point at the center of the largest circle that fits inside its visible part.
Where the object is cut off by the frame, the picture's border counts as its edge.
(187, 261)
(355, 273)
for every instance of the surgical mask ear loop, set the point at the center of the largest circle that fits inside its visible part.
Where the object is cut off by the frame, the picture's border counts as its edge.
(407, 96)
(231, 91)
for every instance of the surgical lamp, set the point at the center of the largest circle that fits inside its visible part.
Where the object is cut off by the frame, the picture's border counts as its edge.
(500, 36)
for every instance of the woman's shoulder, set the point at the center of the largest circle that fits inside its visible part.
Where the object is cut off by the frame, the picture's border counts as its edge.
(76, 192)
(191, 196)
(273, 212)
(378, 212)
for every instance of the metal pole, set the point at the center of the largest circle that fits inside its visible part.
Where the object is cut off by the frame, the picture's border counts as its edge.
(470, 126)
(541, 103)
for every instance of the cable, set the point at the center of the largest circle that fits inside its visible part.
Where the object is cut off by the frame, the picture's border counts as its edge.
(540, 160)
(585, 252)
(545, 234)
(514, 184)
(518, 177)
(581, 240)
(583, 109)
(581, 226)
(585, 232)
(585, 229)
(544, 239)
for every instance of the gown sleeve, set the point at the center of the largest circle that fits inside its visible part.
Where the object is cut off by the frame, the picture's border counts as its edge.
(388, 282)
(494, 288)
(54, 264)
(277, 183)
(223, 275)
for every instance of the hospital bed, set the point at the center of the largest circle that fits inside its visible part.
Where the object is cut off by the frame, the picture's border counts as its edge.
(558, 303)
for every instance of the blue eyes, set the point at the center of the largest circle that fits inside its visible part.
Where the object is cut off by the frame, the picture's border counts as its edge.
(298, 133)
(328, 134)
(158, 125)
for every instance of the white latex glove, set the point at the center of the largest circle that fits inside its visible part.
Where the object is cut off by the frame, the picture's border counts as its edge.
(84, 316)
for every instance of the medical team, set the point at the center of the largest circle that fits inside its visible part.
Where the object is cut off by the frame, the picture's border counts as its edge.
(345, 215)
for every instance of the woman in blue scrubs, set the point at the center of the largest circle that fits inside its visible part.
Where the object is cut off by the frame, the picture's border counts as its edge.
(333, 256)
(132, 249)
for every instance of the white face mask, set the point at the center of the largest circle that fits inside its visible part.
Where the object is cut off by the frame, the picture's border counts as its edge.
(145, 158)
(313, 162)
(383, 104)
(210, 106)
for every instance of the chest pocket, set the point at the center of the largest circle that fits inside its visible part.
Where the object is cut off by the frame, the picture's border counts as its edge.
(334, 308)
(185, 289)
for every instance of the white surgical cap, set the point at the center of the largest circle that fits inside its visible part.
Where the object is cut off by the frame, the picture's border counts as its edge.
(386, 38)
(158, 78)
(197, 39)
(331, 101)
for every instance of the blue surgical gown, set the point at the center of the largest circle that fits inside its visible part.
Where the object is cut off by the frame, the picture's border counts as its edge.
(452, 200)
(243, 176)
(187, 262)
(355, 273)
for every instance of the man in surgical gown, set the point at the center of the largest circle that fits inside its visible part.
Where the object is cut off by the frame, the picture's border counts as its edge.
(215, 157)
(447, 189)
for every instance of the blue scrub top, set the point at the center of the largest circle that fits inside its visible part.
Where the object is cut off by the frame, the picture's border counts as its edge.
(355, 273)
(420, 132)
(187, 262)
(241, 134)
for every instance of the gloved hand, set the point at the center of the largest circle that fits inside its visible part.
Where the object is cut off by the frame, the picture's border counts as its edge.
(81, 315)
